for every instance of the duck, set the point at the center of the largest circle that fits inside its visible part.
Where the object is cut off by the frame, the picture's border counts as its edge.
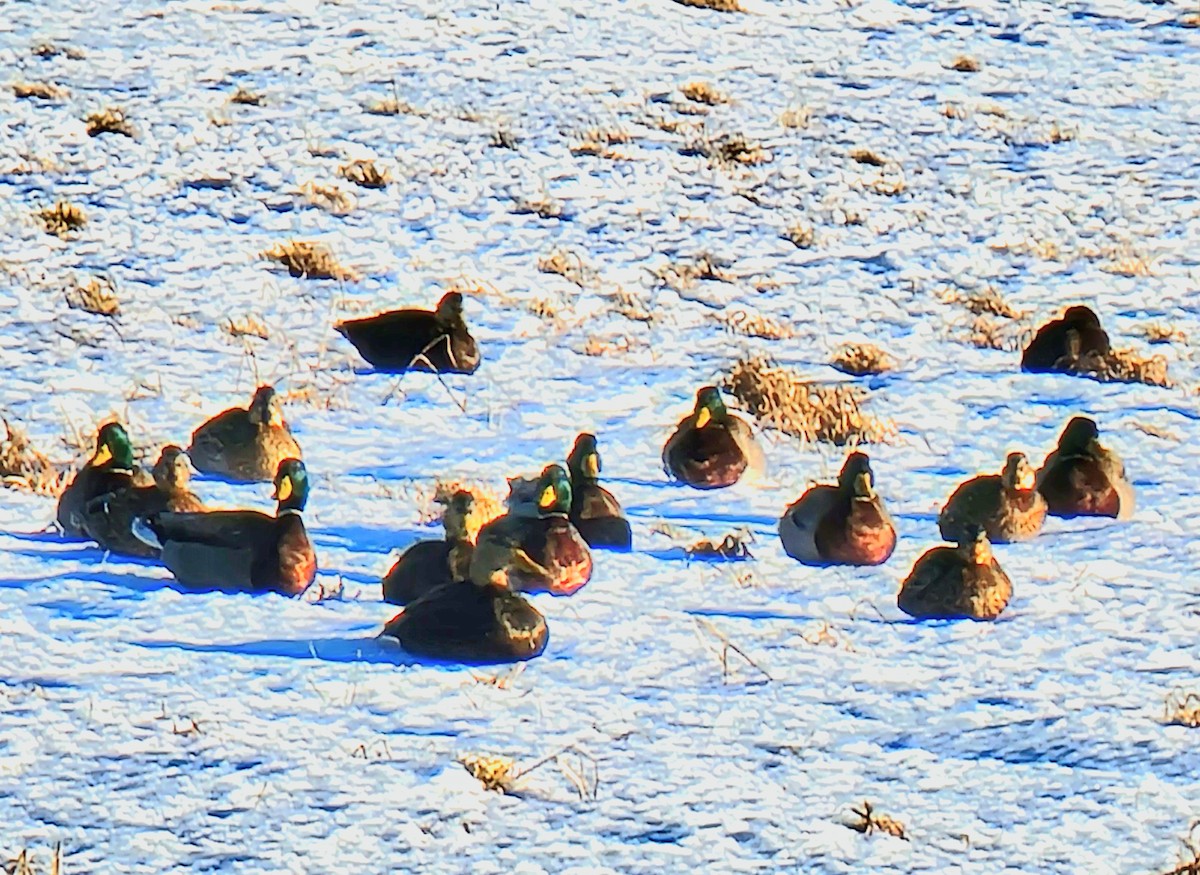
(416, 340)
(245, 444)
(1007, 505)
(1060, 344)
(111, 469)
(542, 553)
(843, 524)
(427, 565)
(1083, 478)
(239, 550)
(464, 622)
(960, 582)
(711, 448)
(108, 519)
(595, 512)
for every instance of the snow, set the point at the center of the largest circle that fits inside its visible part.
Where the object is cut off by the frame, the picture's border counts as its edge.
(1033, 744)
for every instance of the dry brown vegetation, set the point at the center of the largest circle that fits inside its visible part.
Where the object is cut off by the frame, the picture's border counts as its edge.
(868, 156)
(309, 260)
(541, 205)
(39, 91)
(493, 772)
(631, 306)
(704, 92)
(246, 98)
(569, 265)
(247, 326)
(1163, 332)
(98, 296)
(734, 546)
(801, 235)
(505, 138)
(486, 506)
(754, 325)
(869, 821)
(1182, 709)
(783, 400)
(862, 359)
(728, 149)
(718, 5)
(62, 218)
(109, 121)
(796, 117)
(50, 50)
(26, 863)
(987, 333)
(363, 172)
(682, 275)
(327, 196)
(966, 64)
(988, 302)
(1121, 366)
(600, 140)
(24, 466)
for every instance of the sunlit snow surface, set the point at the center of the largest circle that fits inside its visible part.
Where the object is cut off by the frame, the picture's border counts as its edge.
(1033, 744)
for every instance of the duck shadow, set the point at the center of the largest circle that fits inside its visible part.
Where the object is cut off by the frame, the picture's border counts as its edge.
(680, 554)
(370, 539)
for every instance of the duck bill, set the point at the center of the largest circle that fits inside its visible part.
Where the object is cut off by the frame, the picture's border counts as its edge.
(703, 418)
(548, 499)
(103, 455)
(591, 466)
(284, 491)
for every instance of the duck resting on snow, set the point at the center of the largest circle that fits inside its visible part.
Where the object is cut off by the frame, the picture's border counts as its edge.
(1007, 506)
(1083, 478)
(711, 448)
(416, 340)
(245, 444)
(960, 582)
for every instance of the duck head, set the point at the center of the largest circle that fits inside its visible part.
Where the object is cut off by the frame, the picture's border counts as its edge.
(709, 406)
(1080, 435)
(1018, 473)
(113, 448)
(265, 408)
(856, 477)
(450, 309)
(584, 461)
(172, 471)
(554, 492)
(1081, 315)
(975, 546)
(291, 485)
(455, 519)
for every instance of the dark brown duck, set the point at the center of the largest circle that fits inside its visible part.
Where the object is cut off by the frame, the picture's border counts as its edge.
(416, 340)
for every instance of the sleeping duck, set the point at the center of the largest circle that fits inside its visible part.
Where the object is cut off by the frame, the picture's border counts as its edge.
(1007, 506)
(1062, 342)
(1083, 478)
(109, 470)
(239, 550)
(594, 511)
(542, 553)
(108, 519)
(416, 340)
(958, 582)
(246, 445)
(845, 524)
(711, 447)
(465, 622)
(427, 565)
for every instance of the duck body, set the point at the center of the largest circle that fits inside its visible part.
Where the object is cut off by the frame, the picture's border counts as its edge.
(845, 524)
(1082, 478)
(595, 512)
(1008, 507)
(464, 622)
(962, 582)
(1061, 343)
(711, 448)
(427, 565)
(245, 445)
(416, 340)
(110, 470)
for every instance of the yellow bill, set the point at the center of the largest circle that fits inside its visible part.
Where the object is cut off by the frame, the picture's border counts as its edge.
(703, 418)
(591, 465)
(548, 498)
(284, 492)
(103, 455)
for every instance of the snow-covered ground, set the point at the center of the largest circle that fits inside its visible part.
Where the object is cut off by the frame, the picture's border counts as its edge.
(155, 731)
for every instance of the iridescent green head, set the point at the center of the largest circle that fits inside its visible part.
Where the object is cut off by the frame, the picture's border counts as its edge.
(554, 491)
(291, 485)
(709, 406)
(113, 448)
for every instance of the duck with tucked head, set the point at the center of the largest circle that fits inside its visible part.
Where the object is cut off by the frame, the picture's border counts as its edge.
(1083, 478)
(240, 550)
(845, 524)
(426, 565)
(594, 511)
(961, 582)
(1007, 506)
(1060, 344)
(245, 444)
(711, 447)
(109, 470)
(108, 519)
(541, 553)
(416, 340)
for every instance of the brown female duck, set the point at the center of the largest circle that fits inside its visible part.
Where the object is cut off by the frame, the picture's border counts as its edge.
(594, 511)
(427, 565)
(1083, 478)
(958, 582)
(240, 550)
(245, 444)
(1007, 506)
(109, 470)
(416, 340)
(1061, 343)
(845, 524)
(711, 447)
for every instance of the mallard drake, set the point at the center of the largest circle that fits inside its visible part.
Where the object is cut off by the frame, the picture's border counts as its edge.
(544, 553)
(241, 550)
(1083, 478)
(845, 524)
(711, 447)
(950, 583)
(427, 565)
(594, 511)
(464, 622)
(1007, 506)
(109, 470)
(1062, 342)
(108, 519)
(246, 445)
(416, 340)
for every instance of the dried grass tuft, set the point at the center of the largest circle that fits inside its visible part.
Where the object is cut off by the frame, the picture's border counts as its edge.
(24, 466)
(110, 121)
(631, 306)
(601, 346)
(39, 91)
(1121, 366)
(599, 141)
(704, 92)
(1162, 332)
(98, 296)
(247, 326)
(25, 863)
(862, 359)
(309, 260)
(63, 218)
(987, 333)
(728, 150)
(988, 302)
(328, 197)
(965, 64)
(504, 138)
(796, 117)
(541, 205)
(733, 547)
(682, 275)
(493, 772)
(1182, 709)
(801, 235)
(783, 400)
(870, 822)
(246, 97)
(716, 5)
(755, 325)
(868, 156)
(485, 507)
(569, 265)
(364, 172)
